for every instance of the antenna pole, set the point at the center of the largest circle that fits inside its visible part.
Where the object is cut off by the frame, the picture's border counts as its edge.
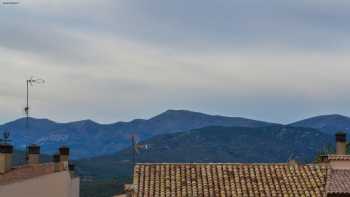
(27, 93)
(133, 143)
(27, 106)
(30, 81)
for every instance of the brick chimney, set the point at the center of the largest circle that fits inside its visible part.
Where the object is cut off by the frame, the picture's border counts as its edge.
(340, 160)
(64, 156)
(64, 153)
(340, 139)
(6, 151)
(33, 154)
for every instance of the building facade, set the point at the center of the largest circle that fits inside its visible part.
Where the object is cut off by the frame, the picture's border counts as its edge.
(35, 179)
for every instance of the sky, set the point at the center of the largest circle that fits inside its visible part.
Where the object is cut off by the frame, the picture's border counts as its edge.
(117, 60)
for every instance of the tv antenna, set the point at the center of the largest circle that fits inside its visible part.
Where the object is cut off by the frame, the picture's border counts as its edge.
(31, 82)
(136, 147)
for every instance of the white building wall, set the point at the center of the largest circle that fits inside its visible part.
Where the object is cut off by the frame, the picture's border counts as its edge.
(75, 187)
(57, 184)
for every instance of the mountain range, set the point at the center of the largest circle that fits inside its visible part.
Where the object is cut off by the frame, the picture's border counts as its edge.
(89, 139)
(173, 136)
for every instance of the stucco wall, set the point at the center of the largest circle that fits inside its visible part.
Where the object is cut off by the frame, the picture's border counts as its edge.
(344, 165)
(75, 187)
(53, 185)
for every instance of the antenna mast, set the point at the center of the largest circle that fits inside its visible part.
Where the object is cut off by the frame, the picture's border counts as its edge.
(133, 143)
(136, 148)
(31, 82)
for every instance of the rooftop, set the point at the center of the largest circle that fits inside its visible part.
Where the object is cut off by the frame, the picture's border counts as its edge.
(229, 179)
(338, 157)
(339, 182)
(27, 172)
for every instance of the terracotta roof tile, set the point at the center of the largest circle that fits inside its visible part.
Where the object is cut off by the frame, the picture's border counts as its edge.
(229, 180)
(338, 181)
(338, 157)
(27, 171)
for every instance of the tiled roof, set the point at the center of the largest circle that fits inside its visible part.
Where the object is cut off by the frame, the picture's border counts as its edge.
(26, 172)
(199, 180)
(338, 181)
(338, 157)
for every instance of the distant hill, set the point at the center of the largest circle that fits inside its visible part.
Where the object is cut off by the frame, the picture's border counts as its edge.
(88, 139)
(221, 144)
(327, 123)
(210, 144)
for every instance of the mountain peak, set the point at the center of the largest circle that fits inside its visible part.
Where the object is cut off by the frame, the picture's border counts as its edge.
(175, 114)
(329, 117)
(335, 116)
(178, 111)
(86, 121)
(31, 120)
(330, 123)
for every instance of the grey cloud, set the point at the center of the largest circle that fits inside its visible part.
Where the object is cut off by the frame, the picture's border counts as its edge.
(41, 39)
(110, 60)
(236, 24)
(185, 25)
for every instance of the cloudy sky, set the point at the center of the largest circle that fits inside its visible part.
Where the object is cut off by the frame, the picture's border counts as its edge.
(111, 60)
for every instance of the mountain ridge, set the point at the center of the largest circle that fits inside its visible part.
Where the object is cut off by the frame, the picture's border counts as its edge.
(330, 123)
(88, 138)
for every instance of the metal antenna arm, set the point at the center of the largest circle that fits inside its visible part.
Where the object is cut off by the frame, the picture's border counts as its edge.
(31, 82)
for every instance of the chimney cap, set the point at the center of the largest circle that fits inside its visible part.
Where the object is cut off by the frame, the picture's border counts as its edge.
(64, 150)
(6, 148)
(340, 136)
(33, 149)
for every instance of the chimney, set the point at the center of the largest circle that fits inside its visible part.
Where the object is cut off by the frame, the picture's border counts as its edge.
(64, 153)
(64, 156)
(71, 168)
(57, 163)
(33, 154)
(340, 138)
(6, 151)
(340, 160)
